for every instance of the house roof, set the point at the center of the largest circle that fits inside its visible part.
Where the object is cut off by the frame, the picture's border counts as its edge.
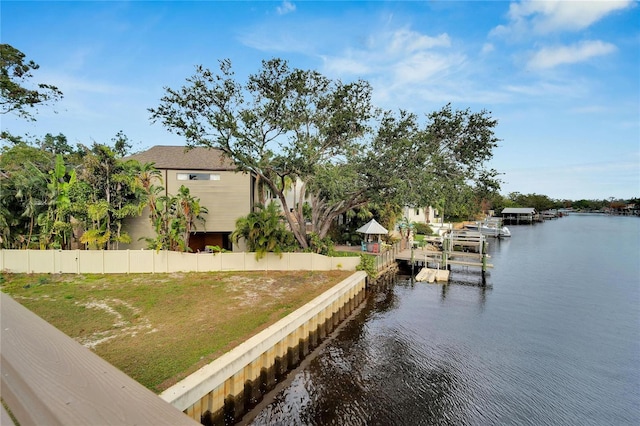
(519, 210)
(178, 157)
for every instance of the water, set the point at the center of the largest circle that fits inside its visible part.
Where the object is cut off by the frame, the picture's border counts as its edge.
(554, 339)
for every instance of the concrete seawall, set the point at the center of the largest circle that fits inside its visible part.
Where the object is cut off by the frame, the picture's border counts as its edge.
(233, 383)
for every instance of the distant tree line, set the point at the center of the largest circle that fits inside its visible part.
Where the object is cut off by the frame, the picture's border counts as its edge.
(543, 202)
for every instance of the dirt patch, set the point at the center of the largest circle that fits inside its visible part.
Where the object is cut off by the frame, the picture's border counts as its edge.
(122, 325)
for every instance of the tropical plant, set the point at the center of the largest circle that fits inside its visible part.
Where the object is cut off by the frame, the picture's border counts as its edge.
(23, 190)
(98, 235)
(422, 228)
(368, 264)
(321, 245)
(264, 231)
(55, 224)
(188, 211)
(173, 218)
(109, 181)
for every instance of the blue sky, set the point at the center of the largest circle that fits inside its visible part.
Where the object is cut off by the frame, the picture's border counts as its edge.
(561, 77)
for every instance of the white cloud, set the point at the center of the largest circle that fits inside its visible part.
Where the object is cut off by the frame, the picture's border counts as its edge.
(487, 48)
(543, 17)
(550, 57)
(425, 66)
(264, 40)
(588, 109)
(408, 53)
(286, 7)
(408, 41)
(590, 180)
(345, 65)
(604, 167)
(544, 91)
(408, 67)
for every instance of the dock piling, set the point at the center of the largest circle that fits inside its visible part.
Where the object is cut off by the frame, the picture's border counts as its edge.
(471, 252)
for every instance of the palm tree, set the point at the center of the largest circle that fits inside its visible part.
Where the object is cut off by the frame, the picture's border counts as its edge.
(55, 223)
(146, 179)
(31, 192)
(173, 219)
(188, 211)
(118, 184)
(99, 234)
(264, 231)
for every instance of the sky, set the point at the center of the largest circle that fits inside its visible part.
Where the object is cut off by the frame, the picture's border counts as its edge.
(561, 77)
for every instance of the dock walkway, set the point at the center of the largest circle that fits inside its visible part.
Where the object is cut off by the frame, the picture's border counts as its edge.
(462, 248)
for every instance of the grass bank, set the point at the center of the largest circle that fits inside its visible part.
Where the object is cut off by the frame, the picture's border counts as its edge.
(160, 328)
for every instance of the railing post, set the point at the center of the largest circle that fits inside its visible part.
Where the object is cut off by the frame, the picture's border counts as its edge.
(484, 255)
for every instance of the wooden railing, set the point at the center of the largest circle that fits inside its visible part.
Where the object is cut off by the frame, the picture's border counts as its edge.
(50, 379)
(387, 256)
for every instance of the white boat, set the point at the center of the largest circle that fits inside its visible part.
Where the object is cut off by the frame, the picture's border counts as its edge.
(490, 228)
(504, 232)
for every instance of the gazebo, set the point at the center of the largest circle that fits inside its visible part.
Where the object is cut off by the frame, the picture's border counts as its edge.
(371, 229)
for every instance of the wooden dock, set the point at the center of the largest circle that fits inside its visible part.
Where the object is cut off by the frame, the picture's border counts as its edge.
(432, 275)
(461, 248)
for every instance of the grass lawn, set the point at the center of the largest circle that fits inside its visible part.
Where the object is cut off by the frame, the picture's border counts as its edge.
(160, 328)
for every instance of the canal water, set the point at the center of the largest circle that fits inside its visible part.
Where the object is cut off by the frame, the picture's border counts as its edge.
(553, 339)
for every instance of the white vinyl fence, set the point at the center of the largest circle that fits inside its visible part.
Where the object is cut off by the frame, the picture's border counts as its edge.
(149, 261)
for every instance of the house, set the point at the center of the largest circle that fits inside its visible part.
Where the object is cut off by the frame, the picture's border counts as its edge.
(420, 215)
(518, 215)
(210, 176)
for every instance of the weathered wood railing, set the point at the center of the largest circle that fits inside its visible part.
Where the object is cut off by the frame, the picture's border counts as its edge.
(387, 256)
(50, 379)
(466, 240)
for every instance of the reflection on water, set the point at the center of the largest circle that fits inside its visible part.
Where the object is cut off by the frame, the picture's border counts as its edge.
(551, 339)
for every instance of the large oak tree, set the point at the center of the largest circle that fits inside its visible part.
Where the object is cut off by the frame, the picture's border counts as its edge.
(290, 125)
(283, 124)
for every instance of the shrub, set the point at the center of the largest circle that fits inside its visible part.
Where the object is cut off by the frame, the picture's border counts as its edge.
(215, 249)
(368, 264)
(320, 246)
(422, 228)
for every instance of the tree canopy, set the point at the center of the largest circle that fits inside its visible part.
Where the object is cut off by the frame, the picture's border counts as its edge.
(282, 124)
(58, 196)
(18, 94)
(327, 138)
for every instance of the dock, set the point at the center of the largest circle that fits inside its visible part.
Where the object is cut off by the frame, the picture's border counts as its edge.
(461, 248)
(432, 275)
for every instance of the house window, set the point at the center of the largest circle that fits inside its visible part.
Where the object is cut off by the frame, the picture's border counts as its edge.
(417, 212)
(198, 176)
